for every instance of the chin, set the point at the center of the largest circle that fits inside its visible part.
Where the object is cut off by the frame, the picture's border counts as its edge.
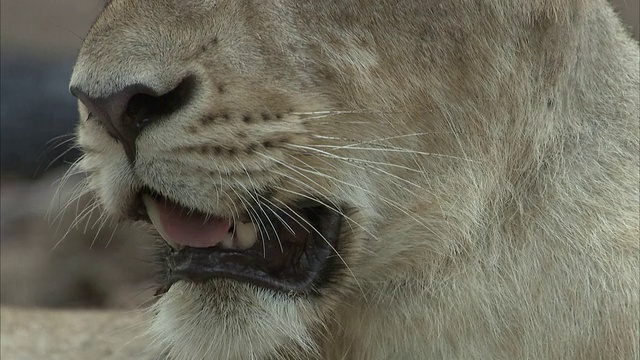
(227, 319)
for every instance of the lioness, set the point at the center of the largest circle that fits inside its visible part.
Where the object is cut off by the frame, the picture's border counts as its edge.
(373, 179)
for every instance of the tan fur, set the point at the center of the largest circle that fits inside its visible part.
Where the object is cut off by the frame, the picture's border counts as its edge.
(485, 153)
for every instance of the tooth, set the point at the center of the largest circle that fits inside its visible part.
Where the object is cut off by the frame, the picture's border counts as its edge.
(154, 216)
(227, 242)
(246, 235)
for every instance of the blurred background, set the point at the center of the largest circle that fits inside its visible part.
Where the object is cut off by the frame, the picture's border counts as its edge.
(44, 260)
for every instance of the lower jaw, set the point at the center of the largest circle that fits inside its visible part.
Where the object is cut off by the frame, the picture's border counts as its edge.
(206, 320)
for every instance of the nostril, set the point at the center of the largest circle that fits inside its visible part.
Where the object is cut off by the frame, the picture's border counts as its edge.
(144, 108)
(126, 112)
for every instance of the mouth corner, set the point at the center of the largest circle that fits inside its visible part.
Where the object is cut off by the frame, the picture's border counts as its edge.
(137, 209)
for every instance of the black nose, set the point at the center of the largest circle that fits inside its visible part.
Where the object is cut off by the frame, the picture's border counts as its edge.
(126, 112)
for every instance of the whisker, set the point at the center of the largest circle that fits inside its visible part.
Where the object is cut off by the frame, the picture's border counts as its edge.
(399, 150)
(251, 212)
(341, 213)
(102, 219)
(355, 142)
(289, 215)
(115, 229)
(80, 190)
(50, 146)
(335, 251)
(335, 206)
(335, 112)
(56, 138)
(71, 171)
(64, 210)
(354, 159)
(351, 161)
(296, 171)
(275, 213)
(56, 158)
(382, 198)
(259, 203)
(93, 208)
(219, 191)
(79, 218)
(325, 122)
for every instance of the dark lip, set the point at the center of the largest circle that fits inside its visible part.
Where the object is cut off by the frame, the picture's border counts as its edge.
(278, 261)
(300, 266)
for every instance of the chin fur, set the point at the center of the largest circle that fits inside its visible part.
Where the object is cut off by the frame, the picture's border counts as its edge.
(224, 319)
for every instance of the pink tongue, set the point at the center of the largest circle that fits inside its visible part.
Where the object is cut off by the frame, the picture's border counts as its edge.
(192, 230)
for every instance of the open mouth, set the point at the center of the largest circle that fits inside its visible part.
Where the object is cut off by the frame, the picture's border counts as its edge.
(287, 250)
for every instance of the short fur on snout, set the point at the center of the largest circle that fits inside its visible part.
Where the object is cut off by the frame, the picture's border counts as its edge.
(484, 156)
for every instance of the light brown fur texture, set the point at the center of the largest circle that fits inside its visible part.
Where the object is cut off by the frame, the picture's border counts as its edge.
(485, 155)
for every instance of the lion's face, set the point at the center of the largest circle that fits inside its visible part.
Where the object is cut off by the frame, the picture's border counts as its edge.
(224, 113)
(289, 168)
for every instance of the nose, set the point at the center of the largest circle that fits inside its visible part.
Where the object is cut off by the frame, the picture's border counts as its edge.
(125, 113)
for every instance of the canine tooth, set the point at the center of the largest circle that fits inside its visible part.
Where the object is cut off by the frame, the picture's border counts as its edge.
(246, 235)
(227, 242)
